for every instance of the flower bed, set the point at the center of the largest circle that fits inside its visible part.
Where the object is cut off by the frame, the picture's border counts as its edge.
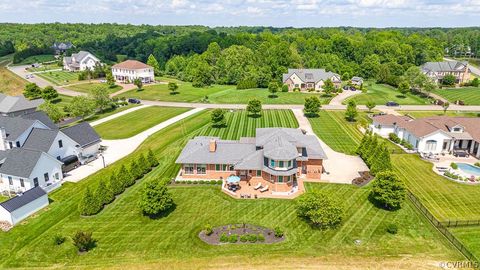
(241, 234)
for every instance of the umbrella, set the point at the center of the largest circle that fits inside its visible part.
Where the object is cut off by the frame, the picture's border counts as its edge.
(233, 179)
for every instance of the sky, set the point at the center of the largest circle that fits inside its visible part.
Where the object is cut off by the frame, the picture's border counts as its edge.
(277, 13)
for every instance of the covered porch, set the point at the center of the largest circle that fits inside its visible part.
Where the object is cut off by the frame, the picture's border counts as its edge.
(462, 147)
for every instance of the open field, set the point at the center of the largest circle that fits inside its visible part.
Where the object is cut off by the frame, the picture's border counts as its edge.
(127, 238)
(37, 59)
(380, 94)
(420, 114)
(469, 95)
(59, 77)
(217, 94)
(135, 122)
(87, 87)
(10, 83)
(45, 67)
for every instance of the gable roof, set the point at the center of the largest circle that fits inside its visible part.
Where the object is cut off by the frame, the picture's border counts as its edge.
(81, 55)
(40, 139)
(19, 162)
(10, 104)
(23, 199)
(445, 66)
(15, 126)
(42, 117)
(131, 64)
(82, 133)
(310, 75)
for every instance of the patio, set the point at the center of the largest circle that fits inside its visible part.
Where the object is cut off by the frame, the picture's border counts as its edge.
(252, 189)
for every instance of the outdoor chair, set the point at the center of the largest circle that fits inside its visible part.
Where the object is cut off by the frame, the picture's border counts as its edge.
(264, 189)
(259, 185)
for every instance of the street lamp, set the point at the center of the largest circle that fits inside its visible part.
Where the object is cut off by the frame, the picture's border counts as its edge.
(103, 160)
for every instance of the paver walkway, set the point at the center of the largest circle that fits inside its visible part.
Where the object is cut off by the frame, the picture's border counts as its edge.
(340, 168)
(113, 116)
(118, 149)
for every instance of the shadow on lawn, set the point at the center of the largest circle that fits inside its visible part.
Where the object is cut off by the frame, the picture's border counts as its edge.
(163, 214)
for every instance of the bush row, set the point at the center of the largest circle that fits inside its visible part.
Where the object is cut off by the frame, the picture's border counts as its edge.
(246, 84)
(250, 237)
(394, 138)
(199, 182)
(374, 153)
(93, 202)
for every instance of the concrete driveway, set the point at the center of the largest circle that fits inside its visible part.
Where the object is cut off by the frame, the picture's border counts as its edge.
(340, 168)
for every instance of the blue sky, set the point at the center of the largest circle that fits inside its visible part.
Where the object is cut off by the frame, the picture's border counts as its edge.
(296, 13)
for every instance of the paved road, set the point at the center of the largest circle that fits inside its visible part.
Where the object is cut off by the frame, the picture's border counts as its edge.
(475, 70)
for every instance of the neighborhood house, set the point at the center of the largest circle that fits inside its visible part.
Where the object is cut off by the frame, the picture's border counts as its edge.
(437, 70)
(309, 79)
(62, 47)
(14, 106)
(357, 81)
(275, 159)
(435, 135)
(80, 61)
(23, 205)
(128, 71)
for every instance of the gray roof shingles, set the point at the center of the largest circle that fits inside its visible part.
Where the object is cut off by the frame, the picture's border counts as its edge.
(82, 133)
(310, 75)
(24, 199)
(40, 139)
(42, 117)
(9, 104)
(19, 162)
(444, 66)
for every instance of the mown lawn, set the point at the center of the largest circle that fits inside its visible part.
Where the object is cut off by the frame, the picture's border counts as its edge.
(131, 124)
(45, 67)
(469, 95)
(218, 94)
(420, 114)
(341, 135)
(470, 237)
(59, 77)
(87, 87)
(10, 83)
(380, 94)
(3, 198)
(37, 59)
(125, 237)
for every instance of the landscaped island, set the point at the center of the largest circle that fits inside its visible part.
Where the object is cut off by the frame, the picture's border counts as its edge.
(240, 234)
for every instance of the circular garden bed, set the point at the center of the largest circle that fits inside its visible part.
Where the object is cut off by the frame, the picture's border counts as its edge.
(241, 234)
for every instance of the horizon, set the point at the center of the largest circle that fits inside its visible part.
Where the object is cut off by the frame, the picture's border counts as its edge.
(251, 13)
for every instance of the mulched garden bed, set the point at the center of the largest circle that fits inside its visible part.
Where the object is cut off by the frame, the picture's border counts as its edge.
(240, 234)
(365, 178)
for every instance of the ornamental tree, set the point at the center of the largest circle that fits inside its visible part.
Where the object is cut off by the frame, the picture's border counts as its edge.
(388, 191)
(312, 106)
(320, 209)
(32, 91)
(404, 87)
(273, 89)
(218, 118)
(254, 107)
(351, 112)
(49, 93)
(155, 198)
(172, 87)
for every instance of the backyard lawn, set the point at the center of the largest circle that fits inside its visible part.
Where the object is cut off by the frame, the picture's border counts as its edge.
(135, 122)
(125, 237)
(217, 94)
(87, 87)
(59, 77)
(380, 94)
(420, 114)
(470, 237)
(469, 95)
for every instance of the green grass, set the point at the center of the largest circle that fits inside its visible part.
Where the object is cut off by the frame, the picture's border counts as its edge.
(380, 94)
(469, 95)
(125, 237)
(37, 59)
(87, 87)
(135, 122)
(3, 198)
(59, 77)
(10, 83)
(45, 67)
(106, 113)
(217, 94)
(470, 237)
(421, 114)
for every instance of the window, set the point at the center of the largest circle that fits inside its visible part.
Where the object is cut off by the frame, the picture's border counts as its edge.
(280, 179)
(431, 146)
(457, 129)
(289, 164)
(35, 182)
(45, 176)
(272, 163)
(188, 168)
(60, 144)
(18, 144)
(218, 167)
(58, 157)
(10, 181)
(22, 184)
(10, 144)
(280, 164)
(259, 173)
(224, 167)
(57, 176)
(231, 168)
(201, 169)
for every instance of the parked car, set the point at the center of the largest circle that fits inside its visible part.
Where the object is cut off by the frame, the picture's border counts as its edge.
(134, 101)
(392, 104)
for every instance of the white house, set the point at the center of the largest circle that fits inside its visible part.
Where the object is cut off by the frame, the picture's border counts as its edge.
(128, 71)
(19, 105)
(23, 205)
(438, 134)
(80, 61)
(358, 81)
(306, 79)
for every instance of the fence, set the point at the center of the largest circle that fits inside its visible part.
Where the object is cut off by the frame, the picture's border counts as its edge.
(460, 223)
(442, 228)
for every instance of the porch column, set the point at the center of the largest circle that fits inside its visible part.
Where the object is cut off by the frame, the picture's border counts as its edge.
(452, 144)
(471, 146)
(478, 151)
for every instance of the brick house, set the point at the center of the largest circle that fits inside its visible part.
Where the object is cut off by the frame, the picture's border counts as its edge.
(276, 157)
(306, 79)
(437, 70)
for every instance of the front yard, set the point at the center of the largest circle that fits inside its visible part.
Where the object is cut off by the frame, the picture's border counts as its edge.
(59, 77)
(88, 86)
(469, 95)
(421, 114)
(380, 94)
(125, 237)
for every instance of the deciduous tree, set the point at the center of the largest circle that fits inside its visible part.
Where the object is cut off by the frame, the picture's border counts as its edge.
(312, 106)
(218, 118)
(388, 191)
(155, 198)
(351, 112)
(254, 107)
(320, 209)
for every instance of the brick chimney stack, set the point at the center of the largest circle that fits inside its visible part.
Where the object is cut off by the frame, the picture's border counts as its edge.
(213, 145)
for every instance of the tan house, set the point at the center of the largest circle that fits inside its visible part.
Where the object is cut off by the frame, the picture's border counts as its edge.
(437, 70)
(309, 79)
(275, 159)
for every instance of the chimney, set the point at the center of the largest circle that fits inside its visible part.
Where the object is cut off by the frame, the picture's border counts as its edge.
(212, 145)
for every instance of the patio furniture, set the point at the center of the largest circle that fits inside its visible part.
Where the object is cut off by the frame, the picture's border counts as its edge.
(442, 169)
(460, 153)
(264, 189)
(233, 179)
(259, 185)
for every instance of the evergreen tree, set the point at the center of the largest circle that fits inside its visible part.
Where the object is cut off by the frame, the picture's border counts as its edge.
(152, 159)
(155, 198)
(351, 112)
(152, 61)
(116, 184)
(109, 196)
(370, 148)
(144, 165)
(135, 171)
(382, 162)
(89, 205)
(125, 176)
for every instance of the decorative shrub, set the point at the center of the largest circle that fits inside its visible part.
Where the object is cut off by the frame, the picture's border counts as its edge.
(83, 241)
(477, 164)
(278, 232)
(392, 228)
(243, 238)
(252, 238)
(394, 138)
(233, 238)
(219, 182)
(213, 182)
(224, 238)
(454, 165)
(189, 181)
(261, 237)
(246, 84)
(58, 239)
(284, 88)
(208, 229)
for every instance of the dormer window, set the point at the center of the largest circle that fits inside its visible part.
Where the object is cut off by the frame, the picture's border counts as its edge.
(457, 129)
